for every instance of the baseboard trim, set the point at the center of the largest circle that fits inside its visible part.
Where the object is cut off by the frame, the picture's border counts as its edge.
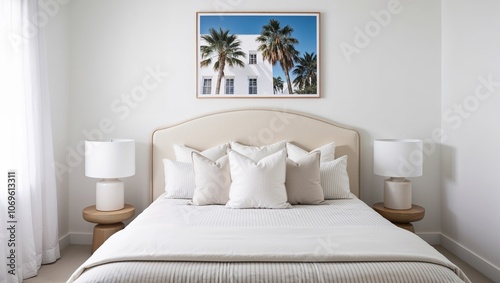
(474, 260)
(64, 241)
(80, 238)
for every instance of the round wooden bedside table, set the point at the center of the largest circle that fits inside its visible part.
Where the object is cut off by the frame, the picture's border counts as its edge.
(108, 222)
(401, 218)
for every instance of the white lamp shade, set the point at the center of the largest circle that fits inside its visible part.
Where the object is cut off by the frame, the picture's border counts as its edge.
(110, 159)
(397, 157)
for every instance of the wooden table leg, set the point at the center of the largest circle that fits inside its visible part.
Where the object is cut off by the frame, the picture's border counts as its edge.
(102, 232)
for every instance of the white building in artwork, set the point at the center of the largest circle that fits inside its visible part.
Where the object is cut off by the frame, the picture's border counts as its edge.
(256, 78)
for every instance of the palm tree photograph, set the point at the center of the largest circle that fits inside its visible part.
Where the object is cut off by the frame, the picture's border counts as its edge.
(255, 55)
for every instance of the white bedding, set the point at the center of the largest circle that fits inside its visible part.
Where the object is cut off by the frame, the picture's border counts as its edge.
(339, 231)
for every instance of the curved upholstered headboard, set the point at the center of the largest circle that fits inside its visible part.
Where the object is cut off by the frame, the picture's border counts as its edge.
(254, 127)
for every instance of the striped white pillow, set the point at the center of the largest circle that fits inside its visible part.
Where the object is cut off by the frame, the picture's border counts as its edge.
(334, 178)
(327, 152)
(179, 179)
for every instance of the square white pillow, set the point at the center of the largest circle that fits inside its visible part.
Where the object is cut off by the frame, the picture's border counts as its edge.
(179, 179)
(179, 174)
(183, 153)
(212, 180)
(303, 181)
(256, 153)
(327, 152)
(257, 184)
(334, 179)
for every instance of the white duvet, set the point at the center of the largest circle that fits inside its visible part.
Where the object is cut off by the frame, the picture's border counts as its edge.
(188, 239)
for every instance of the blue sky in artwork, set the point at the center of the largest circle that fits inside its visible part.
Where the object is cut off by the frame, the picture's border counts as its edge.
(304, 29)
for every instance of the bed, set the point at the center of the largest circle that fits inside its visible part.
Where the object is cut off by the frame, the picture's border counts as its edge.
(338, 239)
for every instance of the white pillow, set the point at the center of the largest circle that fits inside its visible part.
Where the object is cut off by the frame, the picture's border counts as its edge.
(303, 182)
(183, 153)
(179, 174)
(257, 184)
(334, 178)
(212, 180)
(327, 152)
(256, 153)
(179, 179)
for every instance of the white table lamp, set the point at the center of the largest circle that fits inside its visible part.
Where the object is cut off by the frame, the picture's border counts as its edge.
(110, 160)
(397, 159)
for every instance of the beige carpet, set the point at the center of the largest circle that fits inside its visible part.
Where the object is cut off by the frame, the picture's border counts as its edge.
(74, 255)
(71, 257)
(473, 274)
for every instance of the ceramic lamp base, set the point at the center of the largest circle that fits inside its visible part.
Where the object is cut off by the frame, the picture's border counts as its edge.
(110, 195)
(397, 193)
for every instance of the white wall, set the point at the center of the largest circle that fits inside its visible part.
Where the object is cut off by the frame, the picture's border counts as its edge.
(471, 152)
(388, 88)
(57, 46)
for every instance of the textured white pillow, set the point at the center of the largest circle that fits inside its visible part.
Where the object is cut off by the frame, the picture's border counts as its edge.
(327, 152)
(256, 153)
(334, 178)
(183, 153)
(212, 180)
(303, 182)
(257, 184)
(179, 179)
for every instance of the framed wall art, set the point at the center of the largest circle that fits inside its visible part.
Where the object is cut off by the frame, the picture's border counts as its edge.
(257, 55)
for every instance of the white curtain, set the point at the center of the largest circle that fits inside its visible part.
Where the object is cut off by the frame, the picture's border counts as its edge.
(28, 210)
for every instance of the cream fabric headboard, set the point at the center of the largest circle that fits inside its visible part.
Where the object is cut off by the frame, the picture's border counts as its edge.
(254, 127)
